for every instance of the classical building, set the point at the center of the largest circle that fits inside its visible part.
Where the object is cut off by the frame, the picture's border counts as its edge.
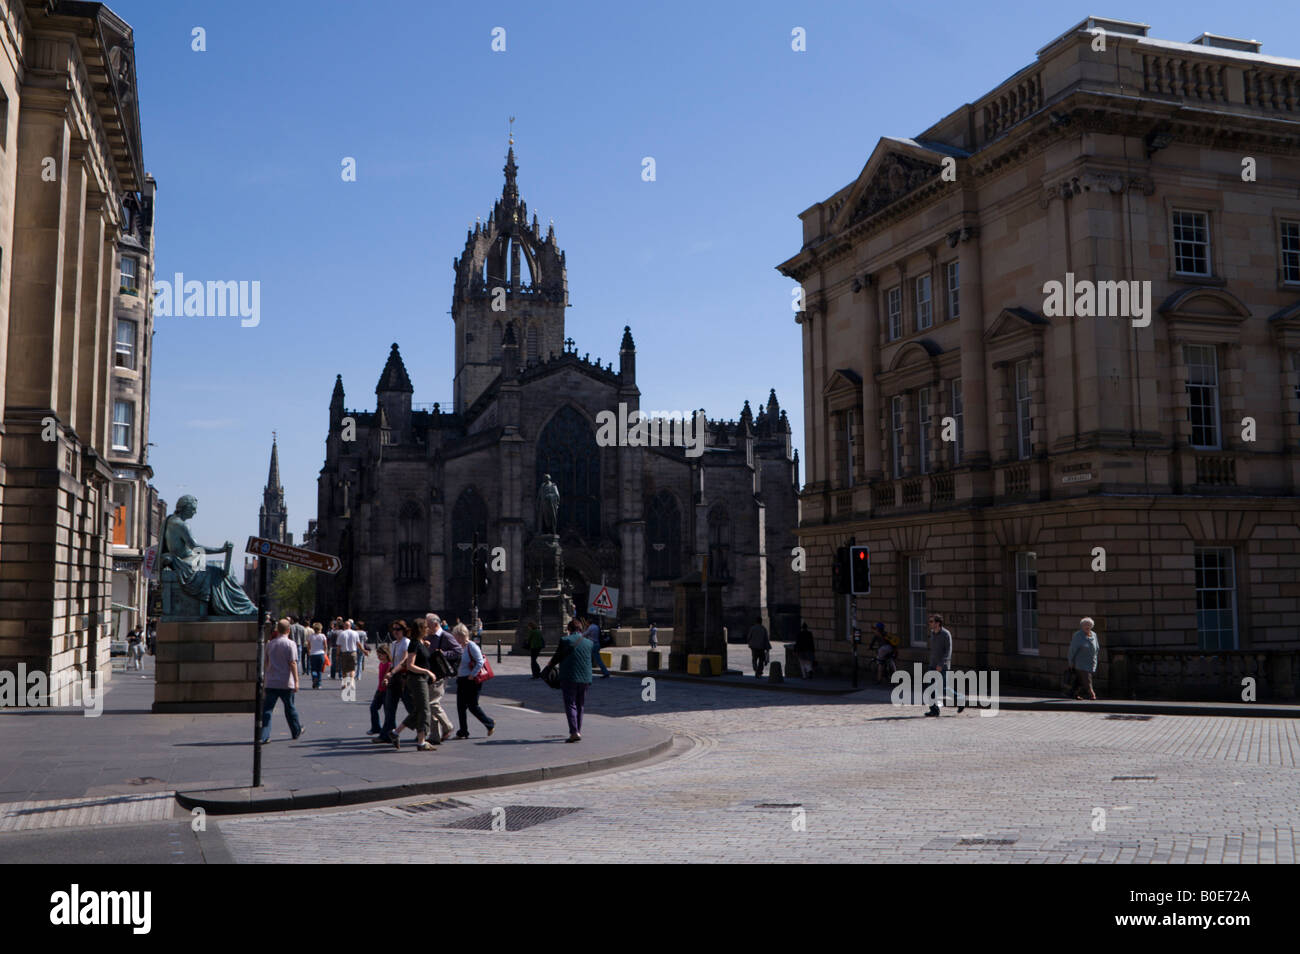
(1015, 463)
(70, 165)
(135, 500)
(407, 489)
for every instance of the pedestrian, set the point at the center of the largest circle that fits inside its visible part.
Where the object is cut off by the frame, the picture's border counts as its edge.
(377, 703)
(298, 633)
(805, 650)
(281, 668)
(336, 627)
(151, 636)
(418, 672)
(536, 643)
(654, 635)
(593, 633)
(467, 689)
(442, 639)
(363, 645)
(135, 649)
(346, 643)
(759, 645)
(1084, 652)
(394, 692)
(940, 657)
(573, 657)
(316, 643)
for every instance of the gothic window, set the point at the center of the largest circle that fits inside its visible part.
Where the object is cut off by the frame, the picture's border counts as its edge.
(567, 451)
(468, 518)
(497, 333)
(719, 544)
(663, 537)
(409, 546)
(531, 355)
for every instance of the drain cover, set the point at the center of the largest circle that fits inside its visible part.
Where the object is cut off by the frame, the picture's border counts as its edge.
(986, 841)
(1130, 718)
(1133, 778)
(517, 817)
(440, 804)
(143, 780)
(779, 805)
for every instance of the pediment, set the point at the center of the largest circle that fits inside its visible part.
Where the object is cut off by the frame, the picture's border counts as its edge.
(896, 167)
(914, 353)
(1211, 304)
(842, 379)
(1016, 321)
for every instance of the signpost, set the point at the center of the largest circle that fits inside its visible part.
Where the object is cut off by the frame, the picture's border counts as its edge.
(267, 550)
(602, 600)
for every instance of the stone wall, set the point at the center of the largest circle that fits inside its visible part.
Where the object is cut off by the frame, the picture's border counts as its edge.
(206, 666)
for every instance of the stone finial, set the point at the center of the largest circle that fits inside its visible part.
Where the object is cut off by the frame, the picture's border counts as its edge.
(628, 344)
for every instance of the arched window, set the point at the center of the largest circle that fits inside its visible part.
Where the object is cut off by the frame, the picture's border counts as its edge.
(663, 537)
(719, 544)
(410, 543)
(497, 333)
(567, 451)
(531, 354)
(469, 518)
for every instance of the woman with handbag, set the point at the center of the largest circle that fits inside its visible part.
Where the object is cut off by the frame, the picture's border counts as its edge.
(570, 669)
(418, 667)
(474, 670)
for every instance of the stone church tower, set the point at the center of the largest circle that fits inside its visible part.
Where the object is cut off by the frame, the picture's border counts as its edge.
(508, 273)
(272, 516)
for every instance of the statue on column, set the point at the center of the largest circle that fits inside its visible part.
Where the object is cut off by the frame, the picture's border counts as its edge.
(548, 507)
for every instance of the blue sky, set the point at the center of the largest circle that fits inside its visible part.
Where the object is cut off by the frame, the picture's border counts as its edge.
(246, 141)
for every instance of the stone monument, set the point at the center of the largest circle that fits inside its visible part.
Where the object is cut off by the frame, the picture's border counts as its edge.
(552, 614)
(207, 635)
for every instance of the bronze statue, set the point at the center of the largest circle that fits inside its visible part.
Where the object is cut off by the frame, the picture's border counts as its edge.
(215, 590)
(548, 506)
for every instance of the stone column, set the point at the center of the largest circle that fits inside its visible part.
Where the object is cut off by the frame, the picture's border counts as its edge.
(871, 457)
(974, 383)
(74, 220)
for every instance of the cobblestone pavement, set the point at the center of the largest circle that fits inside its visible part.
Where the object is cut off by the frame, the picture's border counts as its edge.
(766, 777)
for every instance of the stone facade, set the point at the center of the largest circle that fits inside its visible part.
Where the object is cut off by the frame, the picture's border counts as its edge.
(926, 284)
(70, 161)
(407, 489)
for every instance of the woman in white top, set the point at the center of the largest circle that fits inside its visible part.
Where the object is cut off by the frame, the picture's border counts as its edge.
(467, 690)
(316, 641)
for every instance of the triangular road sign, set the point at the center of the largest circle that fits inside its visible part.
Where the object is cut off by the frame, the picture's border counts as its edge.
(602, 600)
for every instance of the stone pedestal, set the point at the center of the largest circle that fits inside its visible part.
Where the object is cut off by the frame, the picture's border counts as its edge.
(693, 634)
(206, 666)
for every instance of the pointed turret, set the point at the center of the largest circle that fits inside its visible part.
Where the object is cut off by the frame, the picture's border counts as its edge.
(273, 475)
(394, 376)
(336, 402)
(272, 517)
(394, 391)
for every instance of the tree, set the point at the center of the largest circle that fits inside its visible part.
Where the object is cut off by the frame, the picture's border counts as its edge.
(294, 587)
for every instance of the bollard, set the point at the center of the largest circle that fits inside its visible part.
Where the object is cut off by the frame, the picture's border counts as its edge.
(625, 663)
(653, 660)
(775, 673)
(706, 667)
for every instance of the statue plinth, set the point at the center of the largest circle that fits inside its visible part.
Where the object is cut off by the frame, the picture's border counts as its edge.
(206, 665)
(693, 633)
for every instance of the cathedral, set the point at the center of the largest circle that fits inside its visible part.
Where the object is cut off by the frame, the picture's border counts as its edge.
(415, 499)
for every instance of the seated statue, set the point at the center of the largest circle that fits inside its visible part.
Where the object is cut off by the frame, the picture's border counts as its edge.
(214, 591)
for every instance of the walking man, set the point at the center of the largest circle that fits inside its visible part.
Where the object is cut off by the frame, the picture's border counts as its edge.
(759, 645)
(336, 627)
(1084, 651)
(298, 633)
(654, 635)
(593, 633)
(536, 643)
(347, 643)
(281, 681)
(940, 657)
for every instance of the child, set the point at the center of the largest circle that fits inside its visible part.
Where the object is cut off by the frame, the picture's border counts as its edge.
(377, 703)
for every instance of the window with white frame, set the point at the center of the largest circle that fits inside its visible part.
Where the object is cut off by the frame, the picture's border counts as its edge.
(953, 275)
(124, 348)
(1216, 598)
(916, 601)
(1027, 602)
(896, 433)
(128, 273)
(924, 303)
(923, 428)
(1290, 247)
(1191, 233)
(894, 312)
(959, 419)
(1203, 394)
(123, 420)
(1024, 419)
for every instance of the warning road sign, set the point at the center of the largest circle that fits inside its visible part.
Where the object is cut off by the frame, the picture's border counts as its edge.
(604, 599)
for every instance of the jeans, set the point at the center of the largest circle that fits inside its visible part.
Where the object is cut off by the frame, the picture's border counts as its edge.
(317, 667)
(760, 660)
(467, 691)
(597, 659)
(533, 654)
(575, 697)
(376, 706)
(391, 697)
(290, 713)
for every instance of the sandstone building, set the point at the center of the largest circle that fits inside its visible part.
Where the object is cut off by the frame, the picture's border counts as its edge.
(1173, 445)
(70, 166)
(407, 489)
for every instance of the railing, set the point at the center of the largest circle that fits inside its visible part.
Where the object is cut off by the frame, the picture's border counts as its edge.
(913, 493)
(1013, 105)
(844, 504)
(1265, 89)
(1187, 79)
(1216, 471)
(1203, 673)
(1017, 477)
(882, 497)
(942, 488)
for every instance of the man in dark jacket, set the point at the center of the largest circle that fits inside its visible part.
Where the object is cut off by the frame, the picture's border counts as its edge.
(940, 656)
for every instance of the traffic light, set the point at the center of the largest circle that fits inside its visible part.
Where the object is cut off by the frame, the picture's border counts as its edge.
(860, 572)
(481, 575)
(840, 572)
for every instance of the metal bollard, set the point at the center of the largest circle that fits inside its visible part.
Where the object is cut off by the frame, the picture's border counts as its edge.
(625, 663)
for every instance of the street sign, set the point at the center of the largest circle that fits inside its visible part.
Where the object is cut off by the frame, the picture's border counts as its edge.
(271, 550)
(604, 600)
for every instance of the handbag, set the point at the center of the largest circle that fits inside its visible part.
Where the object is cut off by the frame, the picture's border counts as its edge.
(440, 665)
(1069, 679)
(551, 672)
(551, 676)
(485, 673)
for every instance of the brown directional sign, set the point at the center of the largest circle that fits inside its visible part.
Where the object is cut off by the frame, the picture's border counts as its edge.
(271, 550)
